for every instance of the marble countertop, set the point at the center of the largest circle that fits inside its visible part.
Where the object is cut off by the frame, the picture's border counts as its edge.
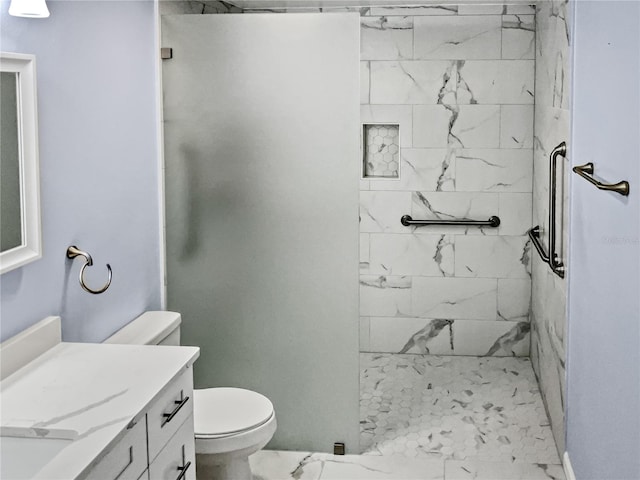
(94, 390)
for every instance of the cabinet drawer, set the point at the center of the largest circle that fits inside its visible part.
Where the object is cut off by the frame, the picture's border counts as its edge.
(127, 460)
(169, 412)
(178, 458)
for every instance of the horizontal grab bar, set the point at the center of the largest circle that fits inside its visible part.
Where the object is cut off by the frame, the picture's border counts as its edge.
(586, 170)
(493, 221)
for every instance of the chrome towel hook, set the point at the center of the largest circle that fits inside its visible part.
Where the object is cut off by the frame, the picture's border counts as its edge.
(73, 252)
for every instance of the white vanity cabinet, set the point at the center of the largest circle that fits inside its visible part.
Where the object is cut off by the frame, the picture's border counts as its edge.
(161, 445)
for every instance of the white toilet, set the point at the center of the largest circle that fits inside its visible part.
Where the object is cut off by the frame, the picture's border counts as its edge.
(229, 423)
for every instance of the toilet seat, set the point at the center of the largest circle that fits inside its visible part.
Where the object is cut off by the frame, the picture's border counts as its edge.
(224, 412)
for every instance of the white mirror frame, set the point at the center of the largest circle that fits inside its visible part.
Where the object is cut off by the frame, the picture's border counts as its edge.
(31, 248)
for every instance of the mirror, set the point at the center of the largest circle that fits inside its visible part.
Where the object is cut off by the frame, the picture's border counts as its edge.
(20, 236)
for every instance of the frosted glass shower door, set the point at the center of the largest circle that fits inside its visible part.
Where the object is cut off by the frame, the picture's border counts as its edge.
(261, 146)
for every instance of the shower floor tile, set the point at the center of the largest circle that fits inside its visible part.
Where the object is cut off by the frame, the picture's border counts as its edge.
(453, 408)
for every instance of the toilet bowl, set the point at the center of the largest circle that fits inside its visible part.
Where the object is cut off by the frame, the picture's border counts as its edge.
(229, 423)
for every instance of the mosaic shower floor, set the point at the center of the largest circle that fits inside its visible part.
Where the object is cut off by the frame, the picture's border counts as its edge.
(453, 408)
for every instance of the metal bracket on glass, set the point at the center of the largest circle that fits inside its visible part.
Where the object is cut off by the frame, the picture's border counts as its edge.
(551, 258)
(586, 170)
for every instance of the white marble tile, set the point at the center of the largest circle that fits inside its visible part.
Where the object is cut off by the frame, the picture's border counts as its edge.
(365, 336)
(518, 37)
(492, 257)
(454, 206)
(412, 82)
(391, 114)
(382, 296)
(515, 213)
(521, 9)
(464, 126)
(472, 469)
(491, 338)
(496, 82)
(285, 465)
(381, 211)
(454, 298)
(516, 126)
(430, 10)
(364, 82)
(411, 335)
(394, 254)
(514, 299)
(364, 184)
(458, 37)
(453, 407)
(471, 9)
(364, 252)
(424, 169)
(494, 170)
(386, 38)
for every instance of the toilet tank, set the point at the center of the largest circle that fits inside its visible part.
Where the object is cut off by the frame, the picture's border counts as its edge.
(150, 328)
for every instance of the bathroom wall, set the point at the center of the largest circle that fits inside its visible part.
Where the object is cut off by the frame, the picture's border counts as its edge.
(459, 80)
(98, 166)
(552, 126)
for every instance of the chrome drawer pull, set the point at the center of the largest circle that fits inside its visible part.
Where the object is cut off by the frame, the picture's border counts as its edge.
(127, 465)
(179, 404)
(183, 470)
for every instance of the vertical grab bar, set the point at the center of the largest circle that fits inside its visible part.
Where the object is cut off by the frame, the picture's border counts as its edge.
(552, 259)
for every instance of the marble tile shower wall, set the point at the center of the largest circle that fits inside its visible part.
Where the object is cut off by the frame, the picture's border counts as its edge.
(459, 80)
(552, 126)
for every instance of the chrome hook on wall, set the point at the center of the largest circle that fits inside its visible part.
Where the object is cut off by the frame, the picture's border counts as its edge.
(73, 252)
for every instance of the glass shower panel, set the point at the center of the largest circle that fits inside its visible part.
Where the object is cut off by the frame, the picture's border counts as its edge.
(261, 124)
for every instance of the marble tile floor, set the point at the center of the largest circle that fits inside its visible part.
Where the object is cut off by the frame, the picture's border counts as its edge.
(478, 409)
(280, 465)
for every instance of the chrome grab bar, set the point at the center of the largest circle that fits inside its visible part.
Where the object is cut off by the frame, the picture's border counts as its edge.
(493, 221)
(586, 170)
(551, 258)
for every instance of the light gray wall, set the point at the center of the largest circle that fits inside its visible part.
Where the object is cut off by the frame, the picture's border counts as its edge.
(98, 164)
(603, 416)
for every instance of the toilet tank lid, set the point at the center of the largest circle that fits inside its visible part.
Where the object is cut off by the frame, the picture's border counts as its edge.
(150, 328)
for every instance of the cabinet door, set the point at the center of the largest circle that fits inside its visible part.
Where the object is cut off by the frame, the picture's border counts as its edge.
(127, 460)
(169, 412)
(177, 460)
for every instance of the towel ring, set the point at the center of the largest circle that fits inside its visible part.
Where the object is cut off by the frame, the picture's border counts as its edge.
(73, 252)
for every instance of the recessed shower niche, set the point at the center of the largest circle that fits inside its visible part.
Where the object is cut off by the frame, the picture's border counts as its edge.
(380, 150)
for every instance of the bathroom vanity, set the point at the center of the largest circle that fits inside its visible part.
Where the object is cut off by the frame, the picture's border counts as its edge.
(98, 411)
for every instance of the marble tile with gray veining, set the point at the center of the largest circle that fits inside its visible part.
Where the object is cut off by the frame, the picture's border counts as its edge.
(458, 82)
(514, 299)
(380, 212)
(430, 10)
(494, 170)
(454, 298)
(385, 296)
(386, 38)
(515, 213)
(493, 257)
(516, 126)
(518, 37)
(458, 37)
(474, 470)
(471, 9)
(455, 206)
(453, 408)
(401, 115)
(364, 82)
(424, 169)
(286, 465)
(457, 126)
(426, 255)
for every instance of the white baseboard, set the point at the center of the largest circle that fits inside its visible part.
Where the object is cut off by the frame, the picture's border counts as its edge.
(568, 469)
